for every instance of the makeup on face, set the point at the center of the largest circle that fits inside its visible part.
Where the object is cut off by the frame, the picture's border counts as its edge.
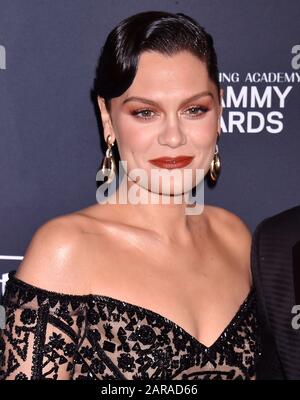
(172, 162)
(193, 111)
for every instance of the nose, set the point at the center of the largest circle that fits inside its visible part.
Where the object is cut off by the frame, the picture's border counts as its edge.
(172, 135)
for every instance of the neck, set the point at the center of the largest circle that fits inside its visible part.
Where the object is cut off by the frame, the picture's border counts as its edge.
(164, 215)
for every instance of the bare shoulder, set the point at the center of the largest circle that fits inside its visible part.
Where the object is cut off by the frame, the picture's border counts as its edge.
(234, 232)
(229, 222)
(53, 256)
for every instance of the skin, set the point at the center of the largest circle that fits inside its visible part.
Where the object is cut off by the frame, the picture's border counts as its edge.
(171, 127)
(192, 269)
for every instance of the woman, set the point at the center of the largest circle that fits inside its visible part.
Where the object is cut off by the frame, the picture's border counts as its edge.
(142, 291)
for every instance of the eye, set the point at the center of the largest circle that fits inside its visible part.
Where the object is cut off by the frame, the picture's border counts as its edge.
(144, 113)
(197, 110)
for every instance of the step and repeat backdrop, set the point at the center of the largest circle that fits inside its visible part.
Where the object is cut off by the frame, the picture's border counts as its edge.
(50, 142)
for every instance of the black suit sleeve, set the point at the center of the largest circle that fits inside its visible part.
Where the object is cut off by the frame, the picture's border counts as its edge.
(269, 366)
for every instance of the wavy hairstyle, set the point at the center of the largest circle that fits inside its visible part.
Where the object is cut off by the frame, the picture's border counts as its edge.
(159, 31)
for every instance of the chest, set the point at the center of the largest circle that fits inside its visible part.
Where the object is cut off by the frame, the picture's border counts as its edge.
(140, 344)
(198, 290)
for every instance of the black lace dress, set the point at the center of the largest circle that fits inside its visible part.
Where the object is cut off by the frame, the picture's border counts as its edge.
(57, 336)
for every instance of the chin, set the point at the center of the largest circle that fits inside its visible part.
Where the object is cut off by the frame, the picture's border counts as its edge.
(174, 189)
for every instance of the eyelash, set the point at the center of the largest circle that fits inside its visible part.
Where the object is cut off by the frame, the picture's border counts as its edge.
(203, 109)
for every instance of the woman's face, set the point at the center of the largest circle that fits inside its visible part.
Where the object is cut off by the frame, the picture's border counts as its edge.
(157, 116)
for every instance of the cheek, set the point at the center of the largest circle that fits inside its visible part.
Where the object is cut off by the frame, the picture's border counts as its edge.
(132, 137)
(204, 134)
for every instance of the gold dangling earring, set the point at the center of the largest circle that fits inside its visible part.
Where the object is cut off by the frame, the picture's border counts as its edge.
(215, 166)
(108, 166)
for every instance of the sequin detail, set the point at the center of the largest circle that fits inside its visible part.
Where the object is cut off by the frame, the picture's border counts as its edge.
(50, 335)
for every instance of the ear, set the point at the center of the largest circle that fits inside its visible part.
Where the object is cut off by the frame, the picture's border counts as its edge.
(106, 120)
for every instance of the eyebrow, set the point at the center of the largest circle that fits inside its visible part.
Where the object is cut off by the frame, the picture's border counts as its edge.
(148, 101)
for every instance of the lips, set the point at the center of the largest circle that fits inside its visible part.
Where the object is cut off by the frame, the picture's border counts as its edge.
(172, 162)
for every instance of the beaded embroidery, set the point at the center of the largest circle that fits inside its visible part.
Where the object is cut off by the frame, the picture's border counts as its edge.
(50, 335)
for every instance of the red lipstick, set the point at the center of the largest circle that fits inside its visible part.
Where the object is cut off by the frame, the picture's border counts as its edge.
(172, 162)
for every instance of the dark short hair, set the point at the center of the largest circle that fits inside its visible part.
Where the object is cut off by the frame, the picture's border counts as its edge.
(159, 31)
